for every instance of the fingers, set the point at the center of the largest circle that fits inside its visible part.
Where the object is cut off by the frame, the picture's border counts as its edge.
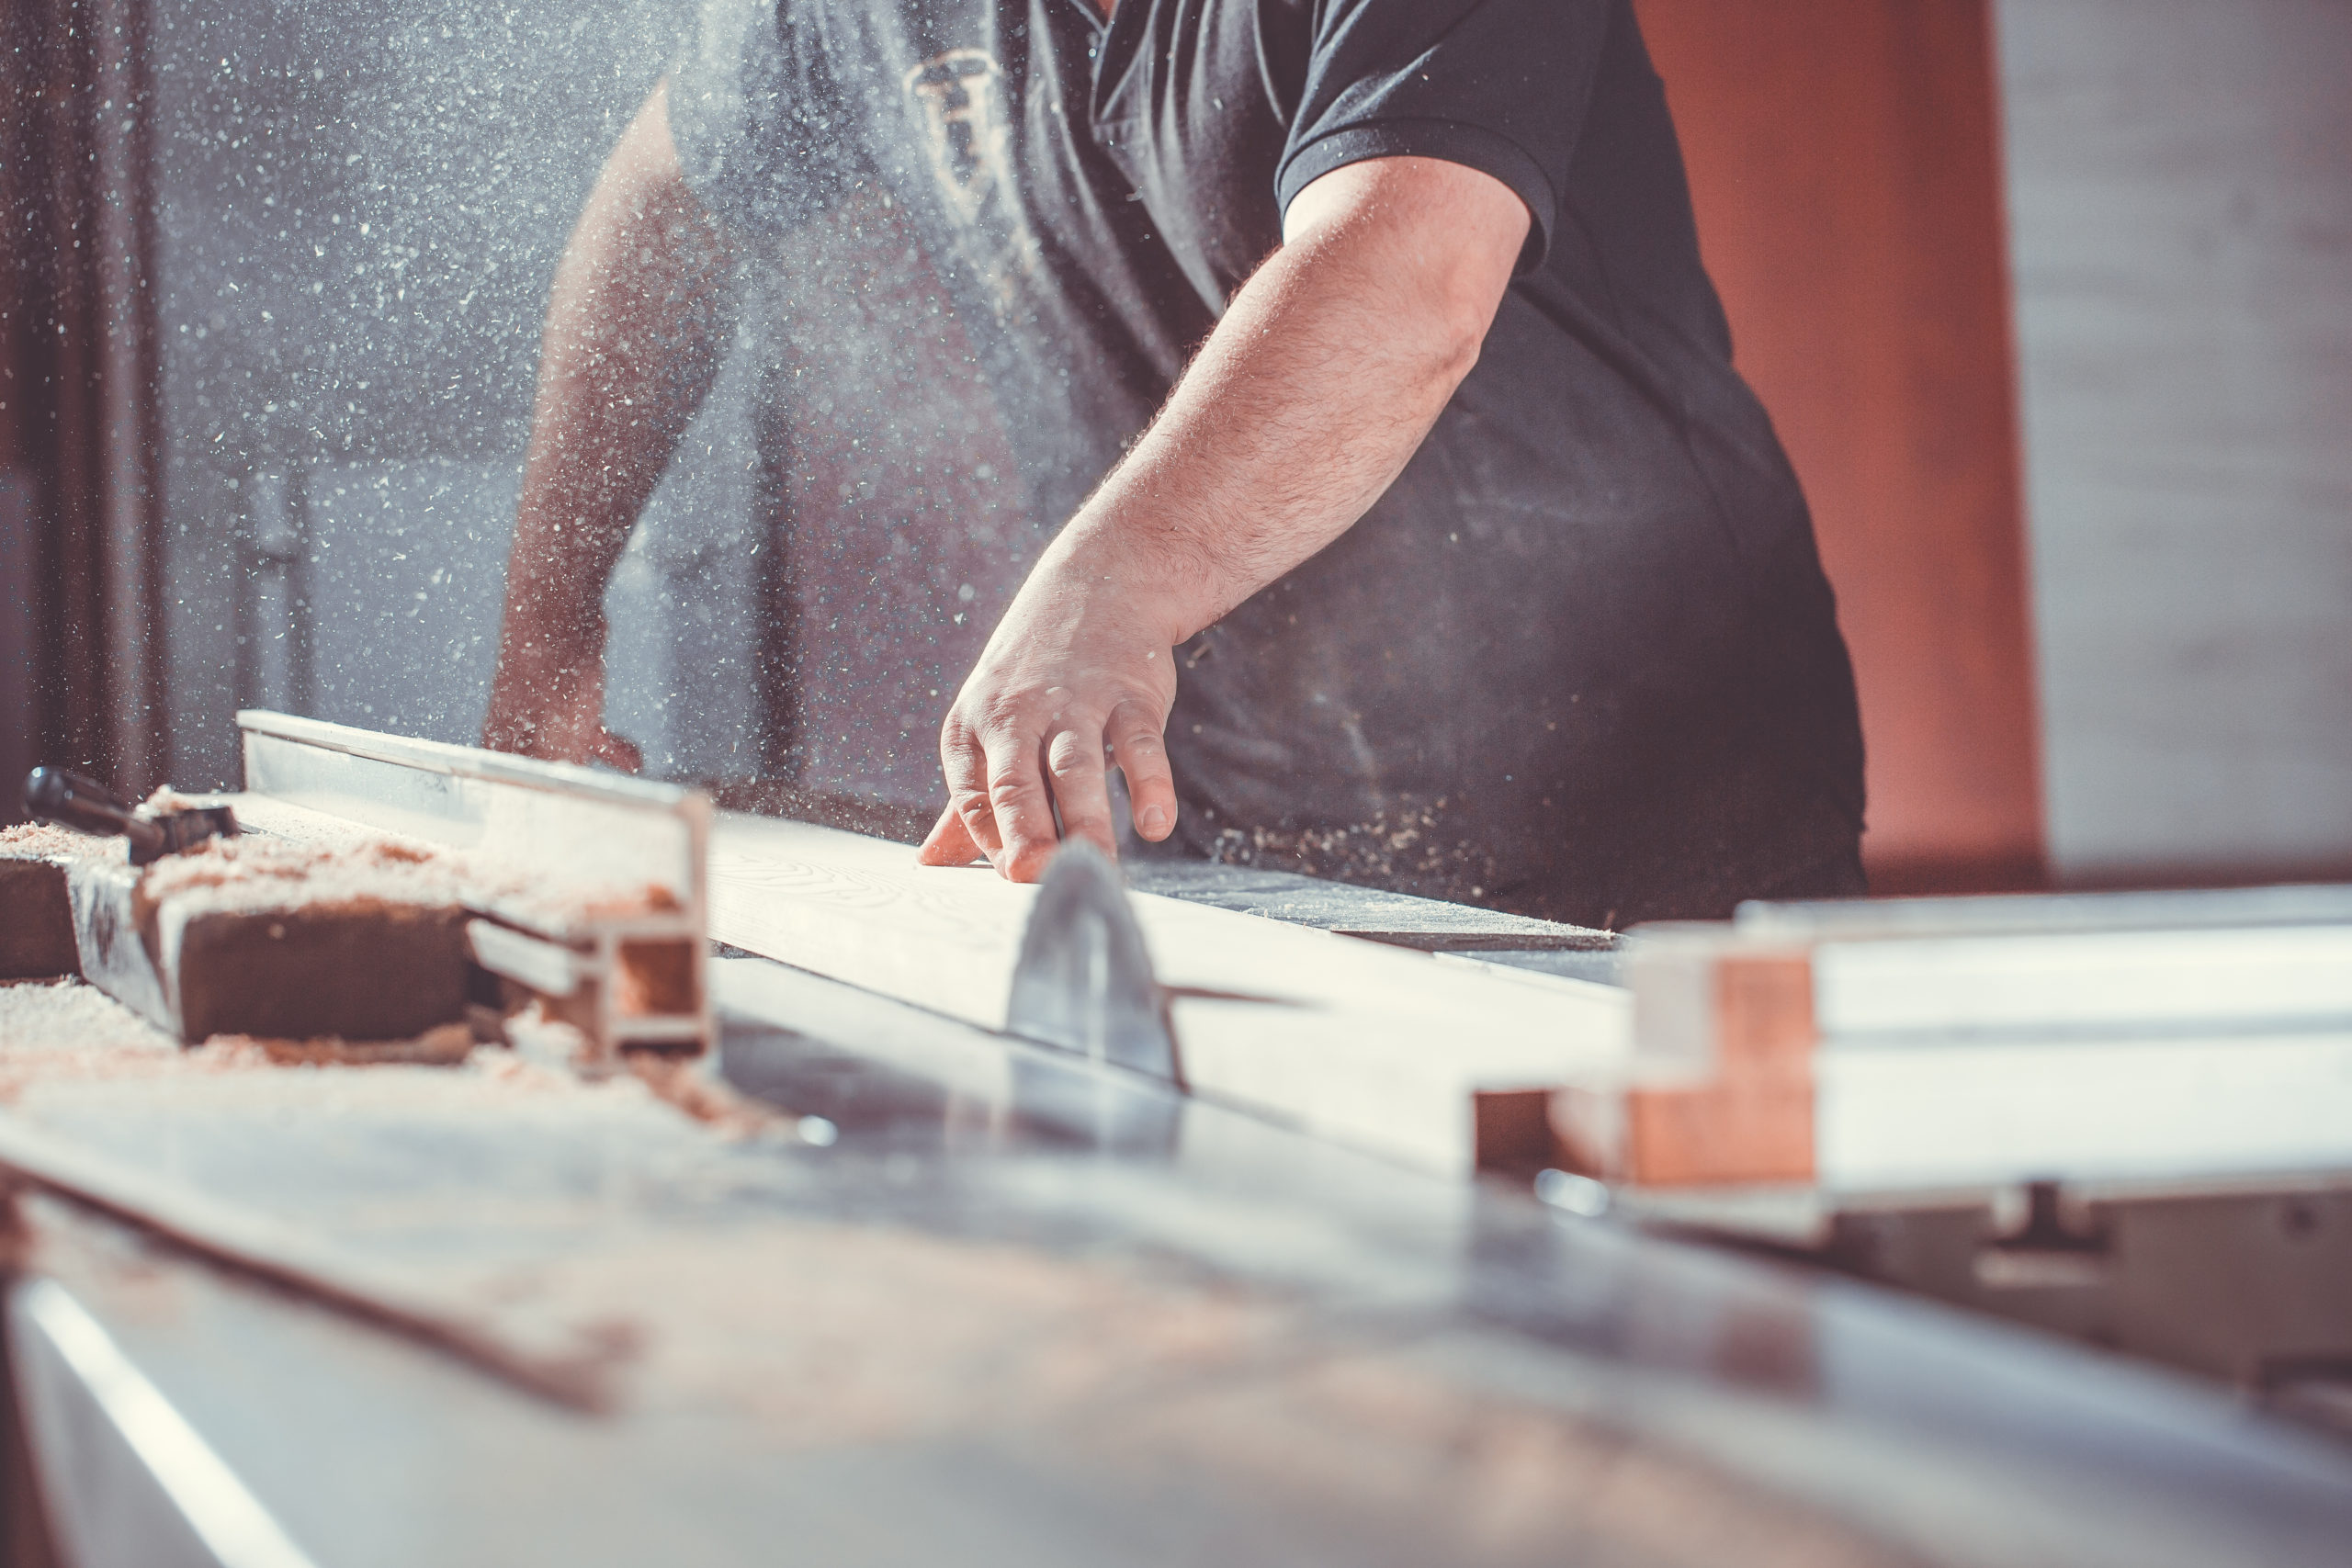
(950, 844)
(1081, 785)
(1005, 784)
(963, 764)
(616, 752)
(1141, 752)
(1022, 811)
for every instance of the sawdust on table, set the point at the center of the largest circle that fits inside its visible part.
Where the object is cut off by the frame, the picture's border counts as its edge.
(444, 1045)
(70, 1016)
(687, 1085)
(849, 1333)
(166, 799)
(68, 1031)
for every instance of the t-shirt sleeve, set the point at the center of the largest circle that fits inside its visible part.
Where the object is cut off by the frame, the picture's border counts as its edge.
(755, 120)
(1498, 85)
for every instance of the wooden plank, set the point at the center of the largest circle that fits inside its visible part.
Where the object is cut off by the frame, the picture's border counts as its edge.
(1924, 989)
(1380, 1046)
(1990, 1055)
(2166, 910)
(2165, 1107)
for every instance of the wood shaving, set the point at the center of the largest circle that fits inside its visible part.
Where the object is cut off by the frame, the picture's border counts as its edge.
(46, 840)
(447, 1046)
(690, 1086)
(252, 874)
(259, 872)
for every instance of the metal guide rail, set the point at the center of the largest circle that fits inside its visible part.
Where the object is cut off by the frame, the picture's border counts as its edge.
(614, 937)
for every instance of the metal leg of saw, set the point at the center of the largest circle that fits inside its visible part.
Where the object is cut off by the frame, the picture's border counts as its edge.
(2252, 1286)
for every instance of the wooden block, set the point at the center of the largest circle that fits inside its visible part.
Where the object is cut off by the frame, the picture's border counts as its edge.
(363, 969)
(1744, 1127)
(1732, 1020)
(1755, 1126)
(1763, 1011)
(36, 920)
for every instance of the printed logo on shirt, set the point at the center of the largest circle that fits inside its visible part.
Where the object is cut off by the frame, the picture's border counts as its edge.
(969, 140)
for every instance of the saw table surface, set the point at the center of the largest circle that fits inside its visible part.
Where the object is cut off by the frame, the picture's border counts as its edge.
(968, 1300)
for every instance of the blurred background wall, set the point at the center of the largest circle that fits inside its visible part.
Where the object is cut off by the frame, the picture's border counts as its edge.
(1845, 162)
(2180, 208)
(346, 222)
(2051, 298)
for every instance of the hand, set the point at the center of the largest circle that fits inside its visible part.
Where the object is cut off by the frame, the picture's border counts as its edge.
(550, 706)
(1080, 664)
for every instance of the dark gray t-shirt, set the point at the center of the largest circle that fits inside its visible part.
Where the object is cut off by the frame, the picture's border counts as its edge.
(1581, 660)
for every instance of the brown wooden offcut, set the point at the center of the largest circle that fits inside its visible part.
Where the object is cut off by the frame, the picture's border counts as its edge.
(1755, 1126)
(1753, 1120)
(1845, 161)
(36, 920)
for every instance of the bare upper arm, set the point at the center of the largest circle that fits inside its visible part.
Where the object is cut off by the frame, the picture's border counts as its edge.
(645, 158)
(1459, 230)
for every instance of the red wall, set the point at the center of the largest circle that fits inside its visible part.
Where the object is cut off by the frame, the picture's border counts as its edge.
(1845, 163)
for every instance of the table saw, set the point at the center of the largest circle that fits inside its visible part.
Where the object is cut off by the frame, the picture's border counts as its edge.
(1046, 1266)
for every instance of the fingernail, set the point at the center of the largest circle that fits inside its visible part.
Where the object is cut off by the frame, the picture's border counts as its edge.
(1153, 820)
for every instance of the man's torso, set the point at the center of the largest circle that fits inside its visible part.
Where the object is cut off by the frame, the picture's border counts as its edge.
(1579, 661)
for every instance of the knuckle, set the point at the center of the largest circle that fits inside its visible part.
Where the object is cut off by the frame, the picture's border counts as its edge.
(1070, 757)
(957, 749)
(1000, 713)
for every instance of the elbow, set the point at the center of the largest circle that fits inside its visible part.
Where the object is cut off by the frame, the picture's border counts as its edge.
(1460, 296)
(1456, 335)
(1465, 336)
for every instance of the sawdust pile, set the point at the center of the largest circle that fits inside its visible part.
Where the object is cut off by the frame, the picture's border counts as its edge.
(259, 874)
(446, 1046)
(68, 1016)
(252, 874)
(44, 840)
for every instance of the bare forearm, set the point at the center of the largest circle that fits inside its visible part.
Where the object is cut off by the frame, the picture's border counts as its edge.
(634, 327)
(1327, 371)
(1324, 374)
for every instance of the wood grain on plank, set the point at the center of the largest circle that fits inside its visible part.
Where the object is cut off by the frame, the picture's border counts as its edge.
(1380, 1046)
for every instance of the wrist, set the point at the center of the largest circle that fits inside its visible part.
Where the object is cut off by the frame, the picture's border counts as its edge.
(1170, 580)
(546, 645)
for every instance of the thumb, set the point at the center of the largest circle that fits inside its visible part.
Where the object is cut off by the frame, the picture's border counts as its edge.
(948, 842)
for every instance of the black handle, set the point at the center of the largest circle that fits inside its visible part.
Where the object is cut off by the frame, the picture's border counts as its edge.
(53, 794)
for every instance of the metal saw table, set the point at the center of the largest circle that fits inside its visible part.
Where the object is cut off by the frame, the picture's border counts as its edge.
(1026, 1309)
(955, 1295)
